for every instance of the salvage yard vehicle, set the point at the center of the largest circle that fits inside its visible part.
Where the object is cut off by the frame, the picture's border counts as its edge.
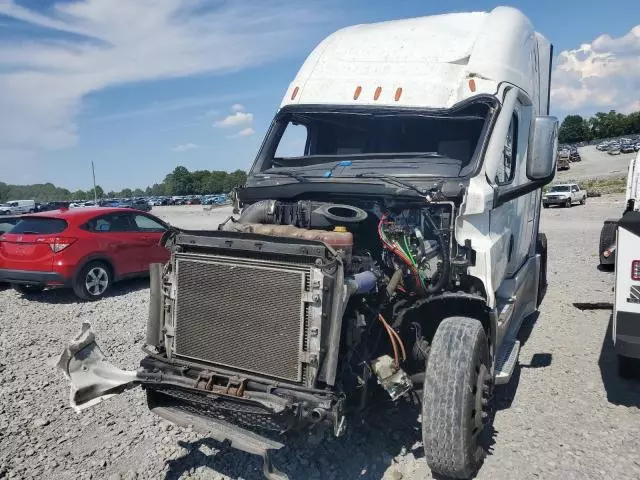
(564, 160)
(565, 195)
(86, 249)
(396, 254)
(626, 307)
(607, 246)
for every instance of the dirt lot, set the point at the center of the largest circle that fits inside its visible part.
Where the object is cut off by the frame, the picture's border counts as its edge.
(596, 164)
(566, 414)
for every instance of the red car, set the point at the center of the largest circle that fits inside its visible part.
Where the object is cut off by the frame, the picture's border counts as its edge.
(87, 249)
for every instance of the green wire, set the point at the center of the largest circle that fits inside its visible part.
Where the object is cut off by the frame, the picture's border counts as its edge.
(413, 260)
(408, 252)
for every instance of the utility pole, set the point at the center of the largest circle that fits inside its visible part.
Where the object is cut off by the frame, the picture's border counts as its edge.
(95, 193)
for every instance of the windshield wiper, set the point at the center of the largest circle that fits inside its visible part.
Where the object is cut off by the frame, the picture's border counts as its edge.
(285, 173)
(392, 180)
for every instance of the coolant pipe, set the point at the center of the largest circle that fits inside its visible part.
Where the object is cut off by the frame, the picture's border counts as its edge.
(259, 212)
(155, 319)
(362, 282)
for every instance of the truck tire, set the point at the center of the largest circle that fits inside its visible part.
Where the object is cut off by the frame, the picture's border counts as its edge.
(607, 238)
(568, 203)
(584, 200)
(541, 248)
(456, 396)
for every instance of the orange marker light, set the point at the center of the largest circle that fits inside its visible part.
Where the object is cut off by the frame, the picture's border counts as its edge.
(377, 93)
(472, 85)
(398, 93)
(356, 94)
(295, 92)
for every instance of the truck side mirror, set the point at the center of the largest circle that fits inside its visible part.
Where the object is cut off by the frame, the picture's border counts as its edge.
(543, 150)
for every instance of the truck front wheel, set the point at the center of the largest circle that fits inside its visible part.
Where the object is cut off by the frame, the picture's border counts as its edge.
(456, 398)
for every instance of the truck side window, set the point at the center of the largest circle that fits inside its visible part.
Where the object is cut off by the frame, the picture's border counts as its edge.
(506, 169)
(293, 141)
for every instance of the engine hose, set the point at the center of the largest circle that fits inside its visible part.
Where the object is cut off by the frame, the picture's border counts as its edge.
(394, 282)
(444, 275)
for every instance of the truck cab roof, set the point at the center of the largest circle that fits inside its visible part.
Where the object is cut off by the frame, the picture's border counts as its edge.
(433, 62)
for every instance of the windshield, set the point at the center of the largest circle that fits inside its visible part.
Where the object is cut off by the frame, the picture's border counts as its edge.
(560, 188)
(395, 142)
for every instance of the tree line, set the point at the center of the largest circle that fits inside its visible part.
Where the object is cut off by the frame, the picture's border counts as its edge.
(576, 129)
(179, 182)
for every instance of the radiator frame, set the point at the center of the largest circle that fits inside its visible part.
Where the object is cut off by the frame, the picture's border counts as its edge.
(314, 300)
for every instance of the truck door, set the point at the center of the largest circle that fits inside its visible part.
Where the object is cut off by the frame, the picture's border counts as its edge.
(514, 220)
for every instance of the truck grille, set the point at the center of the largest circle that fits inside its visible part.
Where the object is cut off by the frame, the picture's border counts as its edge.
(240, 314)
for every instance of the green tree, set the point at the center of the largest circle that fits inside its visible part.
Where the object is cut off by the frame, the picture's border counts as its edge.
(99, 191)
(79, 195)
(574, 129)
(126, 193)
(138, 192)
(180, 181)
(235, 179)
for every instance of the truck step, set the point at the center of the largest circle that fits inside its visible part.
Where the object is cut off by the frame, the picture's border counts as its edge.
(506, 361)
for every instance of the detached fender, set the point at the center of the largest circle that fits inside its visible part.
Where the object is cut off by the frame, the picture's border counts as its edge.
(93, 378)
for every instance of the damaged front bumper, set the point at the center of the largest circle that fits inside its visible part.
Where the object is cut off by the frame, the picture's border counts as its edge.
(226, 408)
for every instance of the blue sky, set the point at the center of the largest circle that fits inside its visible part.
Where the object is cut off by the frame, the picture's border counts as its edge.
(142, 86)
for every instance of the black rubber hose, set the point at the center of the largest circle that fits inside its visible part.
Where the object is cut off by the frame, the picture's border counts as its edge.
(444, 274)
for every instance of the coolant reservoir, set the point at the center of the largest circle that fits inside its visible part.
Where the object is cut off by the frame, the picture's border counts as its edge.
(339, 239)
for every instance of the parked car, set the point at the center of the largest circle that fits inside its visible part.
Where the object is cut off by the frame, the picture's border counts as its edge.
(47, 207)
(614, 149)
(574, 155)
(626, 148)
(563, 162)
(86, 249)
(5, 209)
(142, 205)
(566, 195)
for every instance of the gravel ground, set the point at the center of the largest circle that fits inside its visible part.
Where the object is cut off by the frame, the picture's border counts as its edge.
(565, 415)
(596, 164)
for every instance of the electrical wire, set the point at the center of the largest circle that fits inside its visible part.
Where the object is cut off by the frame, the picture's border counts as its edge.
(396, 341)
(398, 251)
(396, 357)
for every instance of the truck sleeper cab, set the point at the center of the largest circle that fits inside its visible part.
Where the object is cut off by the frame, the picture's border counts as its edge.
(388, 245)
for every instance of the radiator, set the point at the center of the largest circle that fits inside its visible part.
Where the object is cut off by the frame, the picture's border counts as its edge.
(246, 315)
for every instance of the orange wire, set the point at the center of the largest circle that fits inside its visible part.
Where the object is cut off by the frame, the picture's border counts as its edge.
(393, 336)
(396, 358)
(404, 352)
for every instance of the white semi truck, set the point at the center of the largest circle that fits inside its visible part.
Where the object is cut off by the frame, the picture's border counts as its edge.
(395, 253)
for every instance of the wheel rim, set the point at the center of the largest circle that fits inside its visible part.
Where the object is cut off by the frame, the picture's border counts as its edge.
(96, 281)
(482, 399)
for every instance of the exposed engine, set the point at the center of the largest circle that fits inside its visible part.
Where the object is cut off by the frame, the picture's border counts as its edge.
(304, 307)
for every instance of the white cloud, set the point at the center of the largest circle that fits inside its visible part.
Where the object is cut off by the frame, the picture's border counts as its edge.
(601, 75)
(236, 119)
(105, 43)
(185, 147)
(237, 107)
(247, 132)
